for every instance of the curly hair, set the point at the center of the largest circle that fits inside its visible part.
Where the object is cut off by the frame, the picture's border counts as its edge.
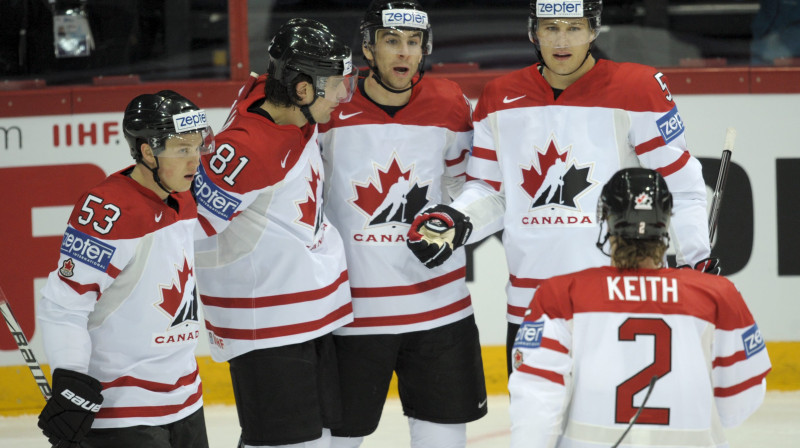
(627, 254)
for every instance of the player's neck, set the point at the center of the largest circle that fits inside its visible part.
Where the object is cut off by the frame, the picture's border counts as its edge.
(561, 82)
(144, 177)
(645, 263)
(382, 96)
(285, 115)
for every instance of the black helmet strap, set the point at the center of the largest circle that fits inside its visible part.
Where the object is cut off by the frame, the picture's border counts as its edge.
(156, 177)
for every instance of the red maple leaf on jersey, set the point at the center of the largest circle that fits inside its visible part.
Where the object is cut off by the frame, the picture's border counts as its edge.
(532, 179)
(371, 196)
(308, 209)
(171, 298)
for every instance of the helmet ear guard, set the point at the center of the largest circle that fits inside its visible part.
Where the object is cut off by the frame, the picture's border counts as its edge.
(635, 204)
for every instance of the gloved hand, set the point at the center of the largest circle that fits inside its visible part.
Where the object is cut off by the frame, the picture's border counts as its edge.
(436, 233)
(707, 265)
(68, 415)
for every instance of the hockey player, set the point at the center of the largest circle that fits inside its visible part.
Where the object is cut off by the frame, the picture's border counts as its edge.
(593, 342)
(584, 118)
(119, 315)
(273, 279)
(399, 146)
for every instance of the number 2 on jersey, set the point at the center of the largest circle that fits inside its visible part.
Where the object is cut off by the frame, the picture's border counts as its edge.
(661, 365)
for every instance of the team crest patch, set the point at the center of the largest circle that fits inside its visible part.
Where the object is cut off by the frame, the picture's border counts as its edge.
(517, 358)
(67, 268)
(643, 202)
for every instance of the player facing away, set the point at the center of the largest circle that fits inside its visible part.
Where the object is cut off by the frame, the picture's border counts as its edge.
(580, 119)
(592, 341)
(119, 315)
(273, 279)
(399, 146)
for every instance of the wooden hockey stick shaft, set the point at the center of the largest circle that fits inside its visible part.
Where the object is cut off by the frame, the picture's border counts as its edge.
(719, 189)
(24, 347)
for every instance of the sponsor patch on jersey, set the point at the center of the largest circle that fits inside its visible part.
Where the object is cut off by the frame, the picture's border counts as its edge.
(87, 249)
(529, 335)
(405, 18)
(559, 8)
(190, 121)
(670, 125)
(213, 198)
(753, 342)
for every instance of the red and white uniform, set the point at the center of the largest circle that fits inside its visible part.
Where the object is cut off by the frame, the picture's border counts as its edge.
(593, 340)
(538, 166)
(382, 171)
(273, 271)
(122, 307)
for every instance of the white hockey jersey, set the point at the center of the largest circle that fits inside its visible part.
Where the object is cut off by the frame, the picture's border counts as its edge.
(381, 172)
(122, 305)
(273, 272)
(542, 163)
(593, 340)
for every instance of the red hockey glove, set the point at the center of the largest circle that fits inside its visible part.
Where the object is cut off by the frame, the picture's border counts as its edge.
(707, 265)
(436, 233)
(69, 413)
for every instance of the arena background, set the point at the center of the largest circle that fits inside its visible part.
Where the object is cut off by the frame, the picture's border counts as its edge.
(60, 133)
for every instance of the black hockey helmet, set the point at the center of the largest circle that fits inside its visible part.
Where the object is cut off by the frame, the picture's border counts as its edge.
(152, 118)
(590, 9)
(636, 205)
(404, 15)
(309, 47)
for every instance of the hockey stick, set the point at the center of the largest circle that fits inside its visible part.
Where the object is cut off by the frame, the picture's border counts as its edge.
(719, 189)
(24, 348)
(636, 416)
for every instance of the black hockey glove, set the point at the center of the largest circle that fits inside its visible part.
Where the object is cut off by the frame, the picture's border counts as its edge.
(436, 233)
(707, 265)
(68, 415)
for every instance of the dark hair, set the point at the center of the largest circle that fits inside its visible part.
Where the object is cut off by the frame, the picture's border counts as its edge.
(279, 94)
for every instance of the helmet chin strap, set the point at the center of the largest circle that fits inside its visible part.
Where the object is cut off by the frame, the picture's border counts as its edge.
(377, 76)
(306, 110)
(156, 177)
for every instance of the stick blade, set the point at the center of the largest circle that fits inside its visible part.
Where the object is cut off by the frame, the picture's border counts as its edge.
(730, 138)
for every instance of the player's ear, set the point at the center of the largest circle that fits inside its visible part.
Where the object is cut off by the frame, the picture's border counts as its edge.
(148, 157)
(367, 52)
(304, 91)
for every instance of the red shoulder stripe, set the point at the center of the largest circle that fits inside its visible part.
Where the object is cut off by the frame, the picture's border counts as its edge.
(546, 374)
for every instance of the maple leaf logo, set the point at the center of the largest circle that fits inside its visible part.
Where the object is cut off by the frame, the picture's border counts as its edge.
(554, 179)
(308, 208)
(390, 196)
(172, 297)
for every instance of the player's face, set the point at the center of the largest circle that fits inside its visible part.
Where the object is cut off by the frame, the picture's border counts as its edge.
(322, 108)
(178, 163)
(397, 55)
(564, 43)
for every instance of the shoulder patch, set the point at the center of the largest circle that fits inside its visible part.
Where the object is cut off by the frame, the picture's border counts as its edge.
(213, 198)
(752, 340)
(87, 249)
(670, 125)
(529, 335)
